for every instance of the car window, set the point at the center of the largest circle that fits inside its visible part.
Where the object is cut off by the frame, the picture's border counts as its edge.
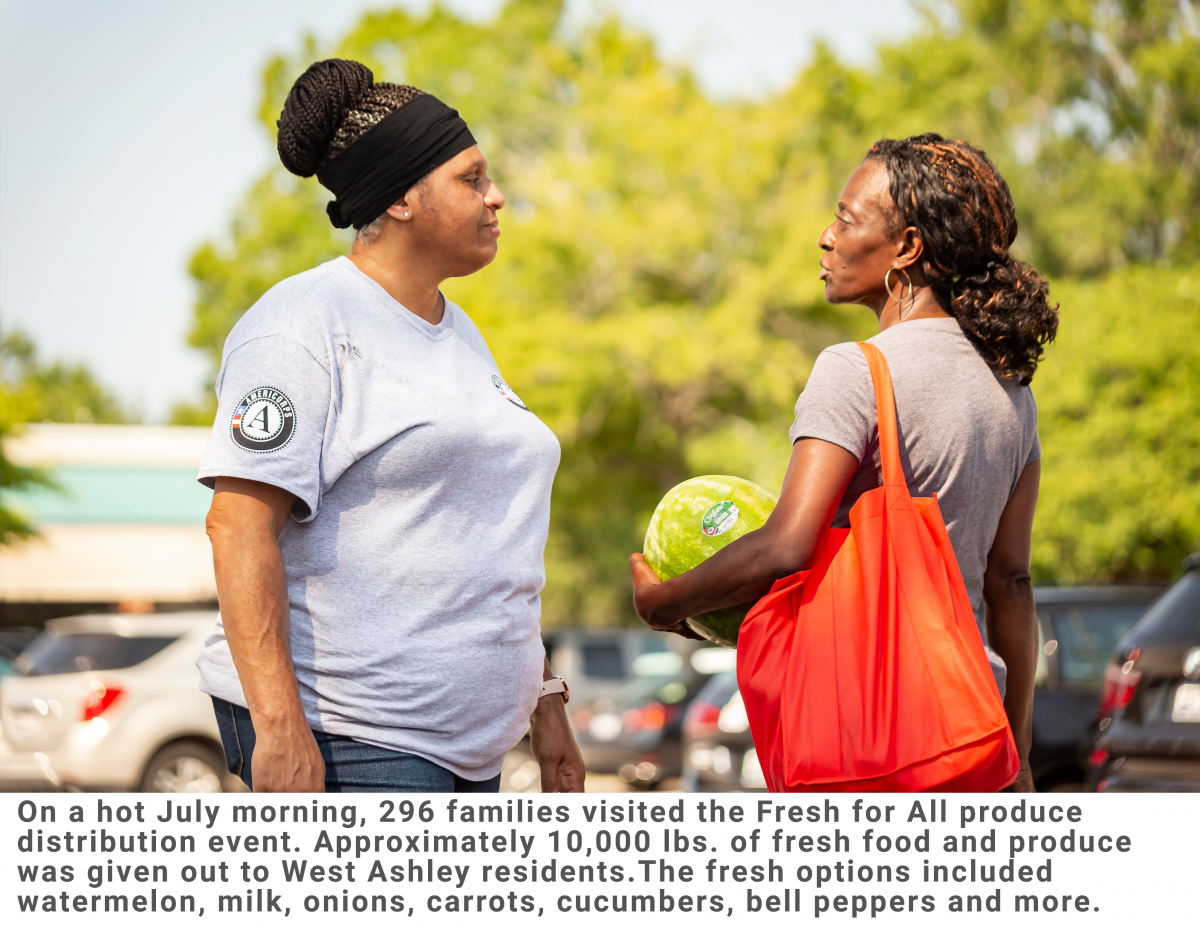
(664, 688)
(718, 689)
(603, 661)
(1086, 635)
(640, 689)
(52, 654)
(1175, 618)
(658, 664)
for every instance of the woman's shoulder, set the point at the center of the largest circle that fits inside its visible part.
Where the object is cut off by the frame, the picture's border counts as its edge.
(297, 307)
(840, 363)
(838, 401)
(840, 380)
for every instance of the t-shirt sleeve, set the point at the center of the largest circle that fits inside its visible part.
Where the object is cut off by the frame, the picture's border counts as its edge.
(838, 402)
(1035, 451)
(273, 400)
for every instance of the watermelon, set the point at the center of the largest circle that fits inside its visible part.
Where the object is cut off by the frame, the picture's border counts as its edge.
(695, 520)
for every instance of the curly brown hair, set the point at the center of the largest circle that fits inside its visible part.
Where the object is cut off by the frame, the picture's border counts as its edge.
(956, 198)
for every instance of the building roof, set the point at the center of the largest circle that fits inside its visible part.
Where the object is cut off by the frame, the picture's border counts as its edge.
(126, 521)
(47, 444)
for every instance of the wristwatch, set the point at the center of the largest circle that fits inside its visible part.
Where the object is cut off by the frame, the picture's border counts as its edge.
(551, 686)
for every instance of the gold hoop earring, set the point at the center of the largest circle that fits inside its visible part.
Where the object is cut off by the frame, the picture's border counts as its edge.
(888, 286)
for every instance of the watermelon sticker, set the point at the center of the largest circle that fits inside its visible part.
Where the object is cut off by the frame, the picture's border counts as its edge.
(719, 518)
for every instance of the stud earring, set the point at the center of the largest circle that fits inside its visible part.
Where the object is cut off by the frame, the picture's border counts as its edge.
(406, 214)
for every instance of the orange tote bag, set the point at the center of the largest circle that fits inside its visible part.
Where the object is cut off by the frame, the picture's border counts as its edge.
(866, 672)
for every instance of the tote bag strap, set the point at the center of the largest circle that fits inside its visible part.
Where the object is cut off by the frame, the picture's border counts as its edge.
(885, 414)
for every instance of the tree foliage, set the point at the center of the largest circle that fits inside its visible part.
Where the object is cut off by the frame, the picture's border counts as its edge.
(1118, 400)
(33, 391)
(14, 526)
(655, 297)
(52, 391)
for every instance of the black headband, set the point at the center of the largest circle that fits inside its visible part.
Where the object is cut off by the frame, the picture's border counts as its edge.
(381, 165)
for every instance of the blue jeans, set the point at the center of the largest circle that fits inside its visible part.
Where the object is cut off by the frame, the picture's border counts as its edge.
(350, 766)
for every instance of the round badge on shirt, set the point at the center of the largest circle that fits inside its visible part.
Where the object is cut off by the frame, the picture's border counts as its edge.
(507, 392)
(263, 420)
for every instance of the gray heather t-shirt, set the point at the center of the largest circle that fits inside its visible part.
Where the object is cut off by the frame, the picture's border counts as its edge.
(965, 434)
(414, 555)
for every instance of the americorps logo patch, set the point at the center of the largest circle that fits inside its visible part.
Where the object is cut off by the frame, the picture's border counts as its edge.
(263, 421)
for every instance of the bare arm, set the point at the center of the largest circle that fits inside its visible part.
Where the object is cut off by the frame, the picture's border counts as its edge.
(1011, 618)
(553, 743)
(745, 569)
(243, 524)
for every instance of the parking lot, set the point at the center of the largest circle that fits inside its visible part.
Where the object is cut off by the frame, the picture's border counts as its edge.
(111, 701)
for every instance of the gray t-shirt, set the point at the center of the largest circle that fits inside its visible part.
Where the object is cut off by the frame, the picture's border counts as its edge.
(414, 555)
(965, 434)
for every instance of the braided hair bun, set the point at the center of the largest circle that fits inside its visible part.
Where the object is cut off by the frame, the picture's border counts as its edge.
(953, 194)
(329, 107)
(315, 109)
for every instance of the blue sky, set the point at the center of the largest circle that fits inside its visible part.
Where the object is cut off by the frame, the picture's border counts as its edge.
(126, 137)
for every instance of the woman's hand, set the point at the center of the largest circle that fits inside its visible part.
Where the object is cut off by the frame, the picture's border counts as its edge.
(745, 569)
(553, 743)
(286, 757)
(646, 593)
(1024, 781)
(244, 523)
(554, 748)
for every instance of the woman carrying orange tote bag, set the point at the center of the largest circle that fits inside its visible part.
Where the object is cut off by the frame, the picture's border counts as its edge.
(867, 671)
(892, 641)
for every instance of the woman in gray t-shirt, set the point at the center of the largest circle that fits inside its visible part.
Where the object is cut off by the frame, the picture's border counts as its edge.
(381, 495)
(921, 237)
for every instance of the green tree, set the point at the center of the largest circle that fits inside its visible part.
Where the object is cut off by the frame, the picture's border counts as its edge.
(14, 527)
(54, 391)
(655, 298)
(1118, 400)
(32, 391)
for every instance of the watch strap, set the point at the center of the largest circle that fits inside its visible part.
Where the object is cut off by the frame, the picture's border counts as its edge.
(553, 686)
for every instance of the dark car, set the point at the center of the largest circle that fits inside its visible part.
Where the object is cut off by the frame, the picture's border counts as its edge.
(718, 749)
(634, 729)
(610, 670)
(1079, 628)
(1149, 714)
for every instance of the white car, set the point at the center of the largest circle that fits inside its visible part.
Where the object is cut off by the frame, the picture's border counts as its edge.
(112, 702)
